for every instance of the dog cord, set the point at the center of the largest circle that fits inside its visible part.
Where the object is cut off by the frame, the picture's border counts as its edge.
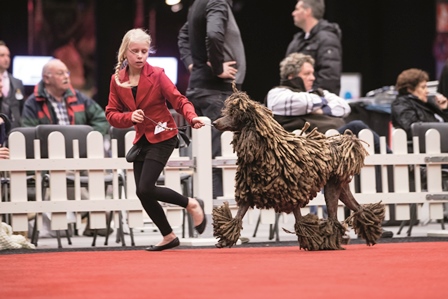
(168, 128)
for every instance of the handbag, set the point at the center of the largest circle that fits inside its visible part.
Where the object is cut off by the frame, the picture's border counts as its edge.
(182, 139)
(133, 152)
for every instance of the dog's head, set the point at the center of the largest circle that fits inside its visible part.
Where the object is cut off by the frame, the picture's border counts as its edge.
(240, 111)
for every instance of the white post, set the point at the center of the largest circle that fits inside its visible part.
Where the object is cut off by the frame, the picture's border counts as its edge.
(202, 155)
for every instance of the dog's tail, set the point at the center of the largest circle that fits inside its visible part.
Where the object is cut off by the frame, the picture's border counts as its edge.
(350, 152)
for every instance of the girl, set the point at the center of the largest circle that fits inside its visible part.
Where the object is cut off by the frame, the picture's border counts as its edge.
(138, 95)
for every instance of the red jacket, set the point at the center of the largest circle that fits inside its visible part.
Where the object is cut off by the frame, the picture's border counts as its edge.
(154, 89)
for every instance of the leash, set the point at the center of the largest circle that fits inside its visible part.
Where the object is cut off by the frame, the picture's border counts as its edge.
(168, 128)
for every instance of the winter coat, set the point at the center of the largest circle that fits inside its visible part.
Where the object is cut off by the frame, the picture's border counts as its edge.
(408, 109)
(324, 45)
(81, 110)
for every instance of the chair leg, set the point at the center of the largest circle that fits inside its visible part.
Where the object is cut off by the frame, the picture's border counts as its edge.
(69, 240)
(183, 223)
(95, 232)
(109, 221)
(190, 226)
(35, 232)
(131, 233)
(58, 236)
(273, 232)
(413, 219)
(256, 226)
(120, 232)
(401, 227)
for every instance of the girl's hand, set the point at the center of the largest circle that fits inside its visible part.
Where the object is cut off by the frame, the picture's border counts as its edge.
(138, 116)
(197, 123)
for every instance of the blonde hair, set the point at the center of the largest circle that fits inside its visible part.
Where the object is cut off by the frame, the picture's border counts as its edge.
(137, 35)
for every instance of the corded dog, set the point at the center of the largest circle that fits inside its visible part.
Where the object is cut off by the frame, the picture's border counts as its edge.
(278, 170)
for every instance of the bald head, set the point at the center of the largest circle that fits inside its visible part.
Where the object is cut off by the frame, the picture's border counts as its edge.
(52, 66)
(56, 77)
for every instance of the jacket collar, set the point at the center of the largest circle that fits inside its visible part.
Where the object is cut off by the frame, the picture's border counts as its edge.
(144, 84)
(41, 94)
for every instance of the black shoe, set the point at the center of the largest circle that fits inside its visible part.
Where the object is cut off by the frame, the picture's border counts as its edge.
(387, 234)
(201, 227)
(169, 245)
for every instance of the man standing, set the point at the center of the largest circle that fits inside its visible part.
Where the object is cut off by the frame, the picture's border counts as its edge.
(12, 93)
(321, 40)
(211, 48)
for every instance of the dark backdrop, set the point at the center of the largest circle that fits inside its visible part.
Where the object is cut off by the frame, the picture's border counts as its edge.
(380, 37)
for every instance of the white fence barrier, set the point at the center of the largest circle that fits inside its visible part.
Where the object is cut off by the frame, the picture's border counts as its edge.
(429, 201)
(374, 175)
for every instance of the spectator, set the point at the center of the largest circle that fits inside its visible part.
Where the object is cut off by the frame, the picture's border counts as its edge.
(413, 104)
(55, 101)
(211, 48)
(12, 92)
(5, 125)
(321, 40)
(294, 102)
(442, 87)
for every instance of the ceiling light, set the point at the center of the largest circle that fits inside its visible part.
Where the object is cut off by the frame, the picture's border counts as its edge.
(172, 2)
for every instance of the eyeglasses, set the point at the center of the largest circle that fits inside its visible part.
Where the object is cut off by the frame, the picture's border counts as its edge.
(59, 74)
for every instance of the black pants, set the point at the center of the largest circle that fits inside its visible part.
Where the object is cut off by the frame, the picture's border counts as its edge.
(146, 174)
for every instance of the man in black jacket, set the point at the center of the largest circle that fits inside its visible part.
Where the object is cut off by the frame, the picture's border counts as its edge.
(12, 94)
(321, 40)
(211, 48)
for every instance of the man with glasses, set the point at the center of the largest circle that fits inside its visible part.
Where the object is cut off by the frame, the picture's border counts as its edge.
(55, 101)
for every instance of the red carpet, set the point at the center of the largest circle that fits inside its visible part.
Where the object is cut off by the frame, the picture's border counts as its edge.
(395, 270)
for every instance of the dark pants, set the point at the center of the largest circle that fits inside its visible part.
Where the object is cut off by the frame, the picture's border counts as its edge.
(209, 103)
(146, 174)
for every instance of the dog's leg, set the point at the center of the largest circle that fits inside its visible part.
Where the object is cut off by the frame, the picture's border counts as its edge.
(226, 228)
(306, 230)
(348, 199)
(332, 192)
(331, 230)
(366, 219)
